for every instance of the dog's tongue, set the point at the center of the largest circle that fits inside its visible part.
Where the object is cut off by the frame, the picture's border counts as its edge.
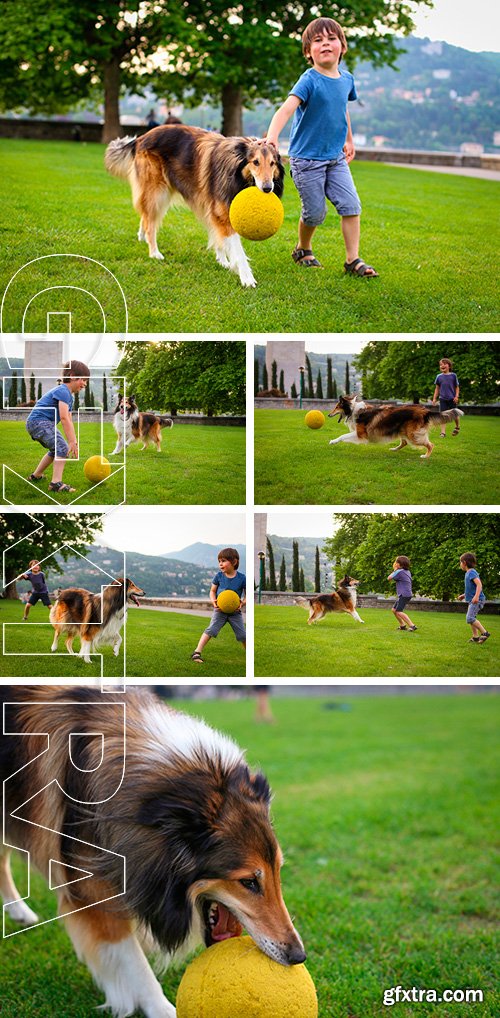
(227, 925)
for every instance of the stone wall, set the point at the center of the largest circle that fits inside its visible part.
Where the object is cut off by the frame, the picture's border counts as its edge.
(93, 418)
(286, 599)
(470, 409)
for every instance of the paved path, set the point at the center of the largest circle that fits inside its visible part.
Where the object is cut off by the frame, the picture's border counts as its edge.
(460, 171)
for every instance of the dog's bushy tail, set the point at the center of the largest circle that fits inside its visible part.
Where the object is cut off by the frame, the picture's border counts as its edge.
(119, 156)
(165, 422)
(304, 602)
(445, 416)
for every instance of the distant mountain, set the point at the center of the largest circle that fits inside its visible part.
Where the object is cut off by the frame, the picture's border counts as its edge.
(204, 555)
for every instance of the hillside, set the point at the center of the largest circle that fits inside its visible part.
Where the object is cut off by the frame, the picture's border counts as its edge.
(307, 555)
(204, 555)
(318, 362)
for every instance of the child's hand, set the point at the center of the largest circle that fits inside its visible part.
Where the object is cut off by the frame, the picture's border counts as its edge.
(460, 597)
(349, 150)
(73, 450)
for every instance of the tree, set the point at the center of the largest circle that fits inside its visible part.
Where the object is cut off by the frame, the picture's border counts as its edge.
(293, 391)
(317, 572)
(367, 545)
(39, 391)
(404, 370)
(256, 377)
(329, 379)
(272, 585)
(13, 389)
(23, 390)
(282, 581)
(172, 375)
(334, 392)
(282, 381)
(319, 386)
(310, 383)
(76, 529)
(274, 375)
(265, 379)
(32, 388)
(56, 55)
(347, 382)
(295, 566)
(76, 402)
(237, 54)
(104, 393)
(302, 582)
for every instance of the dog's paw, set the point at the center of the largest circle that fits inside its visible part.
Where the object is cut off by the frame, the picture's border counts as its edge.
(158, 255)
(20, 913)
(249, 282)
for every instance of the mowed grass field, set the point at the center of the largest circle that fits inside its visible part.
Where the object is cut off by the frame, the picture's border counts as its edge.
(158, 644)
(387, 813)
(190, 470)
(339, 646)
(424, 232)
(296, 465)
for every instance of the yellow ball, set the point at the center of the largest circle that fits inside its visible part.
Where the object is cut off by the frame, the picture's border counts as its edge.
(256, 215)
(228, 601)
(97, 468)
(315, 419)
(234, 979)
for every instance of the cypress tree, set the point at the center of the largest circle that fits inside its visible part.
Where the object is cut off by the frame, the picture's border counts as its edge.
(317, 574)
(272, 585)
(347, 379)
(302, 582)
(23, 389)
(104, 393)
(39, 396)
(329, 378)
(319, 386)
(274, 375)
(295, 566)
(76, 402)
(334, 389)
(293, 391)
(32, 387)
(282, 381)
(255, 377)
(13, 389)
(1, 394)
(310, 383)
(282, 585)
(265, 379)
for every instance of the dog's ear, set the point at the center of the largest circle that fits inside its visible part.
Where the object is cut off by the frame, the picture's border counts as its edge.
(279, 175)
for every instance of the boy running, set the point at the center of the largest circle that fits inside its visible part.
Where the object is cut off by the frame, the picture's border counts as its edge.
(402, 575)
(447, 388)
(474, 596)
(50, 410)
(40, 591)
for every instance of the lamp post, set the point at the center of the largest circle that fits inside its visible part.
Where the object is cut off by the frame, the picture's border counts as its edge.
(261, 573)
(301, 369)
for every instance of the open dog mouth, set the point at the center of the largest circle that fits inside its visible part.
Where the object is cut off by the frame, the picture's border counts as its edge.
(219, 923)
(135, 598)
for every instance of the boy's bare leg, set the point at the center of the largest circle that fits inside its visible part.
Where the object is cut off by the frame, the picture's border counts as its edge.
(306, 234)
(204, 638)
(57, 472)
(27, 609)
(404, 618)
(45, 462)
(351, 229)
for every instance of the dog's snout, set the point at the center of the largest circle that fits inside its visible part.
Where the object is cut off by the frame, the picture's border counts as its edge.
(296, 954)
(267, 188)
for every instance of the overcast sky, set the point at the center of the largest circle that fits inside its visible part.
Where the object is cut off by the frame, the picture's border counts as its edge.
(311, 524)
(473, 26)
(157, 533)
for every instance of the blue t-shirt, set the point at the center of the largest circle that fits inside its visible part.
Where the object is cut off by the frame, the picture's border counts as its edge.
(44, 407)
(237, 583)
(403, 581)
(447, 384)
(319, 126)
(470, 586)
(37, 581)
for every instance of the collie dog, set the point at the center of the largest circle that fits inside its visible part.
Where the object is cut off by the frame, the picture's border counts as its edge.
(410, 423)
(96, 618)
(133, 426)
(158, 848)
(342, 600)
(203, 169)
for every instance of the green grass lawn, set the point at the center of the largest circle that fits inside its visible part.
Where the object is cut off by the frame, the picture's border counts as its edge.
(424, 232)
(188, 471)
(387, 812)
(295, 465)
(159, 644)
(338, 645)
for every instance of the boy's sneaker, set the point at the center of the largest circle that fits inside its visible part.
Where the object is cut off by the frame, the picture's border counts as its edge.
(474, 639)
(484, 637)
(413, 629)
(402, 628)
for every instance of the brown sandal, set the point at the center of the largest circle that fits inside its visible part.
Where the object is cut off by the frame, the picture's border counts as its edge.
(359, 268)
(304, 256)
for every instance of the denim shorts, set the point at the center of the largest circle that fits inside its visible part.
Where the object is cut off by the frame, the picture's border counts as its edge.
(219, 620)
(401, 603)
(47, 434)
(472, 610)
(43, 597)
(317, 179)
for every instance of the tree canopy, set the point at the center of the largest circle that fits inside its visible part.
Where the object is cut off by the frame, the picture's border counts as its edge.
(179, 375)
(396, 369)
(75, 529)
(366, 545)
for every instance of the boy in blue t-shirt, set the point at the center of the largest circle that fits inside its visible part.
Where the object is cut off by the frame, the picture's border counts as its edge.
(321, 143)
(40, 591)
(227, 578)
(401, 574)
(51, 409)
(448, 391)
(474, 596)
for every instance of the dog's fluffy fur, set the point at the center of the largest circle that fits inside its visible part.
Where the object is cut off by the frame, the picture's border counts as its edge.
(206, 171)
(410, 423)
(96, 618)
(131, 425)
(342, 600)
(174, 835)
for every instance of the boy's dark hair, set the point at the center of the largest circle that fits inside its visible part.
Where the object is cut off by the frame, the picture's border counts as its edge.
(34, 562)
(75, 369)
(469, 558)
(317, 27)
(231, 554)
(446, 360)
(403, 561)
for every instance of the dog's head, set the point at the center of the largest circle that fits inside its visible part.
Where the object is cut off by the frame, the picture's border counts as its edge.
(218, 864)
(126, 406)
(262, 166)
(349, 581)
(347, 406)
(131, 590)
